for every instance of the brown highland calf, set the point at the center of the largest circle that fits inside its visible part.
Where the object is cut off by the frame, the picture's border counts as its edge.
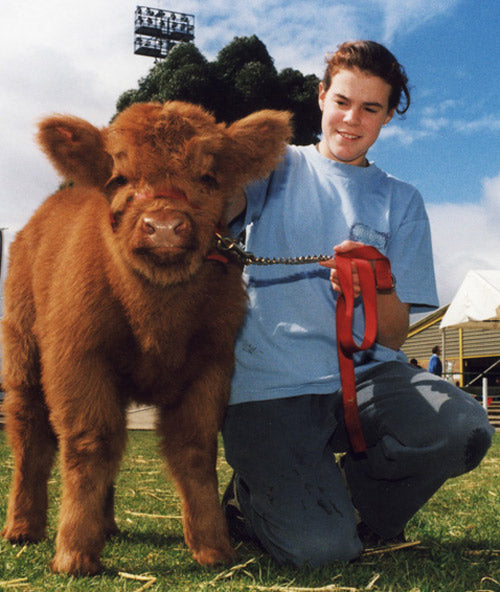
(115, 294)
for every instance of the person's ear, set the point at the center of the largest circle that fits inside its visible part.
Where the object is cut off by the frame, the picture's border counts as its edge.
(321, 95)
(389, 116)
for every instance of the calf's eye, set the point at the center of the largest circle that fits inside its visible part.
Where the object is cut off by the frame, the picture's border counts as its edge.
(209, 180)
(119, 180)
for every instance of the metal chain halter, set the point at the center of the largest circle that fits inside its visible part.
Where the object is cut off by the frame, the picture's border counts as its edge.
(226, 244)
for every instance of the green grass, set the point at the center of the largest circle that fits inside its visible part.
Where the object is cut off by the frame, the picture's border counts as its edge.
(459, 531)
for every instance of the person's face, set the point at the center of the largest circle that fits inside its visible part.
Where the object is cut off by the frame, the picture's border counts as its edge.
(354, 108)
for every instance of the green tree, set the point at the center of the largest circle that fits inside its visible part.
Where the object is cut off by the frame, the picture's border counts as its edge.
(242, 79)
(299, 94)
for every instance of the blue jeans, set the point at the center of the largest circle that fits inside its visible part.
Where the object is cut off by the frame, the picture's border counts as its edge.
(420, 430)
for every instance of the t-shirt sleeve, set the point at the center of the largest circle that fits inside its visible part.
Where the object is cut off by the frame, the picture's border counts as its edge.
(410, 253)
(258, 191)
(255, 194)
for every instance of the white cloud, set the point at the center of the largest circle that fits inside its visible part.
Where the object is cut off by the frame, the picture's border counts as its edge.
(429, 125)
(435, 124)
(465, 237)
(486, 123)
(403, 135)
(57, 57)
(297, 35)
(451, 114)
(411, 14)
(440, 107)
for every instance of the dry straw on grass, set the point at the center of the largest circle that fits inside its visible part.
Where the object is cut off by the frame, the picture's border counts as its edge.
(155, 516)
(487, 580)
(328, 588)
(18, 583)
(148, 580)
(229, 573)
(390, 548)
(241, 568)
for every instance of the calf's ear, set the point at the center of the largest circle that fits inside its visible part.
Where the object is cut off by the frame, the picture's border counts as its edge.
(258, 143)
(76, 149)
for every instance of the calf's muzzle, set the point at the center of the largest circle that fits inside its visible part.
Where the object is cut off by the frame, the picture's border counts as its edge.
(164, 229)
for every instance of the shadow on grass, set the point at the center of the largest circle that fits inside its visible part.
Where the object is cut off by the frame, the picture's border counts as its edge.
(150, 538)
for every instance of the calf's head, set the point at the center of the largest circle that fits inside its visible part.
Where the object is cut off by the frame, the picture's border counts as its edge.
(168, 171)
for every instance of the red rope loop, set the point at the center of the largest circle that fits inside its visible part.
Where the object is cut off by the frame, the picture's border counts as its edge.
(374, 274)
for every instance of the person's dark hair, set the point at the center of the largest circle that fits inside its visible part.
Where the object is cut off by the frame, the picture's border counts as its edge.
(435, 349)
(376, 59)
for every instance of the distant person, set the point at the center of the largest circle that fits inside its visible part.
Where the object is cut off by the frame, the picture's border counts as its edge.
(414, 363)
(435, 365)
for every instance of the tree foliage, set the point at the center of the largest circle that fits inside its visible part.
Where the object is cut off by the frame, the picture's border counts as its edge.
(242, 79)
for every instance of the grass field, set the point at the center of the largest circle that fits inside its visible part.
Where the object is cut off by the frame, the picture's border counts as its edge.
(458, 531)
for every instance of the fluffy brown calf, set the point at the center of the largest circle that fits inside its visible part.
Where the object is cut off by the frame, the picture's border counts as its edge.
(113, 295)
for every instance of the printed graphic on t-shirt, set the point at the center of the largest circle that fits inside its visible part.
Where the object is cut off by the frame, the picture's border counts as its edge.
(368, 236)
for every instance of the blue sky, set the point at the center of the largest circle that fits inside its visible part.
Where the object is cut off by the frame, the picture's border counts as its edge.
(57, 56)
(450, 139)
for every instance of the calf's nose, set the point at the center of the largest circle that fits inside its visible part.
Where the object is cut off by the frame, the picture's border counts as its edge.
(166, 228)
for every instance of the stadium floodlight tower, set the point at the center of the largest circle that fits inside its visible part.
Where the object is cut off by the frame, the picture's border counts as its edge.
(157, 30)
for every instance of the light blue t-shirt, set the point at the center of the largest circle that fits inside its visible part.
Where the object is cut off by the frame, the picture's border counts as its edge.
(287, 345)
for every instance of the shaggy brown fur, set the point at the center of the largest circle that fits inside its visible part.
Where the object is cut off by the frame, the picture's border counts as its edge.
(100, 313)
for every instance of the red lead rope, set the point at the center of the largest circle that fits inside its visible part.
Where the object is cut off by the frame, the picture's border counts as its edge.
(371, 279)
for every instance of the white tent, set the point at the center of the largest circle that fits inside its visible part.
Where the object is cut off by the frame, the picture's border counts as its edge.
(476, 304)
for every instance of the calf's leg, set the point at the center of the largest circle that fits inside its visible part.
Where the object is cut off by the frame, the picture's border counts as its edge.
(34, 445)
(27, 419)
(189, 443)
(110, 527)
(91, 426)
(89, 462)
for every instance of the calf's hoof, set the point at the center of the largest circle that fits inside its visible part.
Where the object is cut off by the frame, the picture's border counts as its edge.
(22, 534)
(210, 556)
(75, 564)
(111, 531)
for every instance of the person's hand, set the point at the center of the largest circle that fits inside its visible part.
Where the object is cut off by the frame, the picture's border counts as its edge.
(392, 314)
(343, 247)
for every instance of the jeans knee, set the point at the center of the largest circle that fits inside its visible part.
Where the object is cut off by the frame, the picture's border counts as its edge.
(318, 551)
(470, 439)
(476, 447)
